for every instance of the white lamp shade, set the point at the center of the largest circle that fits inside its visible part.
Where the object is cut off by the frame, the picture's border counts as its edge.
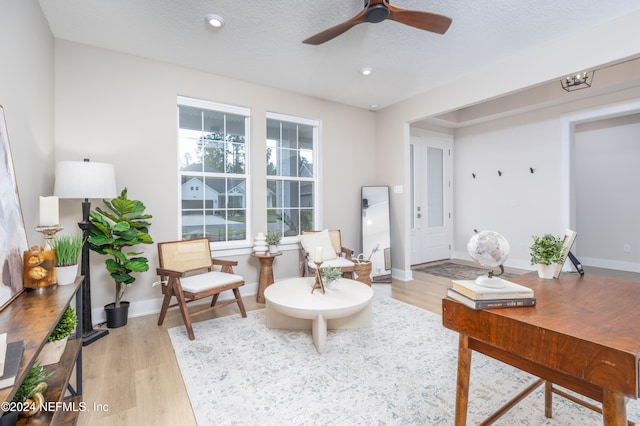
(84, 179)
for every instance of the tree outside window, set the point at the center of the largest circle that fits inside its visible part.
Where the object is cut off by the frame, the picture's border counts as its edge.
(212, 145)
(291, 174)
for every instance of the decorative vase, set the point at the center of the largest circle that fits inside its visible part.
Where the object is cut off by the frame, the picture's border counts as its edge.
(546, 271)
(331, 284)
(35, 402)
(66, 274)
(52, 351)
(117, 317)
(273, 248)
(260, 245)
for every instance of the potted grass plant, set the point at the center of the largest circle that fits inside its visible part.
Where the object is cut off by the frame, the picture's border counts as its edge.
(30, 391)
(547, 252)
(113, 232)
(273, 239)
(52, 350)
(330, 275)
(68, 249)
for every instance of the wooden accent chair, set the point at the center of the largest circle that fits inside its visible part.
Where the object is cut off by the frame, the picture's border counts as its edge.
(333, 253)
(187, 272)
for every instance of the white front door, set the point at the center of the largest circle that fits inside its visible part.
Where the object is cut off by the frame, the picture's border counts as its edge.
(431, 197)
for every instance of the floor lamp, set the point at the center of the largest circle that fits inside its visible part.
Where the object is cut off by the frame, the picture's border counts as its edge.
(85, 180)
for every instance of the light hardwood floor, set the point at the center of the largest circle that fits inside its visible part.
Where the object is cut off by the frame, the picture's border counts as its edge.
(131, 377)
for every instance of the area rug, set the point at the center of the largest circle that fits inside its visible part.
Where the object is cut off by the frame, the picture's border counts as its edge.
(400, 371)
(456, 271)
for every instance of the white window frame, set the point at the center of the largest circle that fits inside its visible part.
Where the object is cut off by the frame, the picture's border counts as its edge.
(316, 179)
(230, 109)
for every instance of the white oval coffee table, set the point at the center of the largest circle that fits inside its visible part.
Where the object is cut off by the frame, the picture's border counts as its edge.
(290, 305)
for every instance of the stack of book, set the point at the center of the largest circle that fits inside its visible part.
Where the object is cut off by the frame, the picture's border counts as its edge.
(475, 296)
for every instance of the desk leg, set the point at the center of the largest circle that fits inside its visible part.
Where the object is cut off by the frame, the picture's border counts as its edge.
(548, 399)
(614, 410)
(462, 387)
(266, 277)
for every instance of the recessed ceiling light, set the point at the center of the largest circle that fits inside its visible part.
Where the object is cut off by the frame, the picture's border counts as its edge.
(366, 71)
(215, 21)
(374, 106)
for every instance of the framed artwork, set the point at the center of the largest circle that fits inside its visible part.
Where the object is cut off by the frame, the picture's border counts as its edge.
(13, 235)
(567, 242)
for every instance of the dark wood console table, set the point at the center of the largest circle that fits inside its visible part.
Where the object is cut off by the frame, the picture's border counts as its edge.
(31, 317)
(582, 335)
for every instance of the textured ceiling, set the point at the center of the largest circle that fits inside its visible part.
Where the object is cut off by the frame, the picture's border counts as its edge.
(261, 41)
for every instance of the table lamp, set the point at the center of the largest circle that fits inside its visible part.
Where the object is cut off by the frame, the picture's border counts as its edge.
(85, 180)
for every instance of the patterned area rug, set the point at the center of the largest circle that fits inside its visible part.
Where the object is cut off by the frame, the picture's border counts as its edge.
(400, 371)
(456, 271)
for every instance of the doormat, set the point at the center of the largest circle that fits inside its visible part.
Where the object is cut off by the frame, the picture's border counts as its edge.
(456, 271)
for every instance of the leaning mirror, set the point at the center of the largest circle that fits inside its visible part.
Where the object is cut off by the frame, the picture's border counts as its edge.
(376, 231)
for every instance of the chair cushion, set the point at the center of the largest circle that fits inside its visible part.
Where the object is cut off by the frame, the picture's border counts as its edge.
(312, 240)
(338, 262)
(208, 280)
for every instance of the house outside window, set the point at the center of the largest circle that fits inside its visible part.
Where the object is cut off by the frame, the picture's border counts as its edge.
(213, 147)
(292, 174)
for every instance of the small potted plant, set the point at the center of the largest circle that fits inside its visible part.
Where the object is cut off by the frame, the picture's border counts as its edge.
(30, 391)
(52, 350)
(547, 252)
(112, 233)
(68, 249)
(273, 239)
(330, 275)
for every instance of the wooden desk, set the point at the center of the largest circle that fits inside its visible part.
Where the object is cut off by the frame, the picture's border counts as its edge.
(583, 335)
(266, 272)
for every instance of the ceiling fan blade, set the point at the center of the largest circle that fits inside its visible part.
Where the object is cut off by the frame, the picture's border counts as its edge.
(335, 31)
(427, 21)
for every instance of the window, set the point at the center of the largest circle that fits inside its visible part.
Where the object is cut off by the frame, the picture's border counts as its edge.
(291, 174)
(213, 156)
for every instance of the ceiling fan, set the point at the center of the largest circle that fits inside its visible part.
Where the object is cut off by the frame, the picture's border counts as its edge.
(377, 11)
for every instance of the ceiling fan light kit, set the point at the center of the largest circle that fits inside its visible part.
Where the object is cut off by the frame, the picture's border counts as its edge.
(380, 10)
(376, 13)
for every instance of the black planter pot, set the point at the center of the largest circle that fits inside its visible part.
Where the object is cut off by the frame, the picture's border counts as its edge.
(117, 317)
(9, 419)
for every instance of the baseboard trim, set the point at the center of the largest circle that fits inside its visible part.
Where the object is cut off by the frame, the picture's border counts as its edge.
(152, 306)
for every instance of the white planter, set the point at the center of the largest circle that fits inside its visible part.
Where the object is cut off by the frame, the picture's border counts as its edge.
(273, 248)
(52, 352)
(66, 274)
(546, 271)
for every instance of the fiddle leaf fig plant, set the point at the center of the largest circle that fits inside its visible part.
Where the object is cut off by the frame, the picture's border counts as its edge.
(112, 232)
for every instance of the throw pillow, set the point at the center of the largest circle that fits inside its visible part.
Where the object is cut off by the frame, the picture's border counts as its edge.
(318, 239)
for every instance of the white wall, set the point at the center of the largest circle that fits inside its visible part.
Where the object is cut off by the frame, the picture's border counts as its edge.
(607, 205)
(121, 109)
(592, 48)
(26, 93)
(519, 204)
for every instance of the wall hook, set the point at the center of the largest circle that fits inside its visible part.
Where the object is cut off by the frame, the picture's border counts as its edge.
(531, 170)
(499, 173)
(474, 175)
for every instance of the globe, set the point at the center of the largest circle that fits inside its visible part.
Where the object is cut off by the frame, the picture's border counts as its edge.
(489, 249)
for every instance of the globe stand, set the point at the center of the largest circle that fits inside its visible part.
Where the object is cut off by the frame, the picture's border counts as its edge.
(492, 280)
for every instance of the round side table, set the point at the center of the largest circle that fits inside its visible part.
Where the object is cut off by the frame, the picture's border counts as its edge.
(266, 272)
